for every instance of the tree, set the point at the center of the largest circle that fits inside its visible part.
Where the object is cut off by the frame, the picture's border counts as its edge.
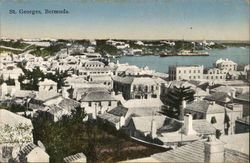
(174, 100)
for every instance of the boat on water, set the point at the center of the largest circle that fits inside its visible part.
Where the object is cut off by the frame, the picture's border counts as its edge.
(186, 53)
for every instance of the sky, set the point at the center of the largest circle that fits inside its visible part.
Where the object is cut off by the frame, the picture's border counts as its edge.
(128, 19)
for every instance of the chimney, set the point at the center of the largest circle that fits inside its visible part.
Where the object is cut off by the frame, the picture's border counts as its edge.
(207, 90)
(182, 109)
(214, 150)
(188, 125)
(212, 103)
(122, 121)
(233, 94)
(153, 129)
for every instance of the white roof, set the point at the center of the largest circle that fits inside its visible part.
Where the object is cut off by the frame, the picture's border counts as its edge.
(237, 142)
(47, 82)
(140, 103)
(12, 119)
(222, 60)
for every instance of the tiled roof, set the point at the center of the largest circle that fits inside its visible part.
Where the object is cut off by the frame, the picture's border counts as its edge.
(218, 96)
(237, 142)
(198, 106)
(179, 84)
(194, 152)
(144, 123)
(205, 107)
(126, 80)
(144, 80)
(69, 104)
(12, 119)
(47, 82)
(203, 127)
(244, 96)
(27, 149)
(225, 89)
(143, 103)
(174, 137)
(75, 157)
(119, 111)
(170, 125)
(98, 96)
(24, 93)
(110, 118)
(44, 96)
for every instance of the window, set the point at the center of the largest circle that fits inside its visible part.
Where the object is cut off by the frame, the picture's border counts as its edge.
(89, 104)
(199, 71)
(194, 77)
(179, 71)
(152, 88)
(189, 71)
(134, 88)
(194, 71)
(216, 77)
(198, 77)
(109, 103)
(154, 96)
(184, 71)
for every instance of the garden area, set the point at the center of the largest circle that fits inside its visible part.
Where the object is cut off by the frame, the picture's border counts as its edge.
(99, 142)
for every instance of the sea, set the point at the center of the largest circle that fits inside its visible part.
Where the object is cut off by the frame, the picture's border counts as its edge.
(240, 55)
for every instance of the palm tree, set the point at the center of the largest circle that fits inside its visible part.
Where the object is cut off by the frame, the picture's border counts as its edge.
(174, 100)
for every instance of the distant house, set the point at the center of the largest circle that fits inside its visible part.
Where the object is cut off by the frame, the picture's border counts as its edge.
(38, 102)
(79, 157)
(214, 113)
(48, 86)
(32, 153)
(213, 74)
(120, 116)
(169, 131)
(138, 87)
(98, 102)
(56, 111)
(11, 72)
(115, 117)
(106, 80)
(93, 64)
(85, 71)
(194, 72)
(226, 65)
(213, 150)
(243, 99)
(15, 133)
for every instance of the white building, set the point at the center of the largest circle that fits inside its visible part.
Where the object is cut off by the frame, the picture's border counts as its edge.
(194, 72)
(226, 64)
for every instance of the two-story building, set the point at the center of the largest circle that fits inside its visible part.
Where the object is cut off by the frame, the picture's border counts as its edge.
(194, 72)
(138, 87)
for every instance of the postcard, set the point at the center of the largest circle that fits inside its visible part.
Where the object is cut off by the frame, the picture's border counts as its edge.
(124, 81)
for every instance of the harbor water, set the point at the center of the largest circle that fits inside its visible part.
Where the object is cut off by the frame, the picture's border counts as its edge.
(240, 55)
